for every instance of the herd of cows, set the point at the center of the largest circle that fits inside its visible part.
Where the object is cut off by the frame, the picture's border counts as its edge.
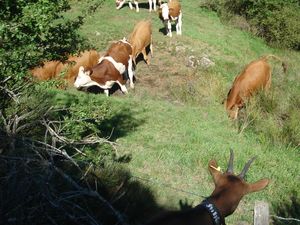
(117, 66)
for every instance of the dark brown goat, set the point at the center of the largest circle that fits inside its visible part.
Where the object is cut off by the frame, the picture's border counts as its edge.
(229, 190)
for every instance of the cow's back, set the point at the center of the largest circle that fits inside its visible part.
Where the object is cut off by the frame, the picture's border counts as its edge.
(141, 36)
(120, 52)
(105, 72)
(255, 76)
(48, 71)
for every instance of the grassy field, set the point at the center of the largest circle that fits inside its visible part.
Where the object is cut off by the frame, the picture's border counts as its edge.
(178, 122)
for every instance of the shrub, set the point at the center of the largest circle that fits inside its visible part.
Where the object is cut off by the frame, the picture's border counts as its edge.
(274, 20)
(35, 30)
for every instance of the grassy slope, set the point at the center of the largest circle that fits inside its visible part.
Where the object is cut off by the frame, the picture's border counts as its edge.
(174, 140)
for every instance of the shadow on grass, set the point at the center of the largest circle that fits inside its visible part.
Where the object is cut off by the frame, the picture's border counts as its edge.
(163, 30)
(119, 124)
(97, 90)
(289, 209)
(37, 188)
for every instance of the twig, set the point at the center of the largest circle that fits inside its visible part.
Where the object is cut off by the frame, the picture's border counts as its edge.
(285, 219)
(89, 193)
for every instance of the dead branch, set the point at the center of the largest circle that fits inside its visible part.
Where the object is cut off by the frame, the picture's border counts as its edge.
(90, 193)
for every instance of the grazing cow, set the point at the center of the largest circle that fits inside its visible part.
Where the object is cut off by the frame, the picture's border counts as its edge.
(140, 38)
(229, 190)
(51, 69)
(120, 3)
(48, 71)
(255, 76)
(112, 68)
(171, 11)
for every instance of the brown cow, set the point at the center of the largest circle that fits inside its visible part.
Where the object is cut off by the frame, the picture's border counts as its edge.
(52, 69)
(48, 71)
(140, 38)
(229, 190)
(112, 68)
(171, 11)
(255, 76)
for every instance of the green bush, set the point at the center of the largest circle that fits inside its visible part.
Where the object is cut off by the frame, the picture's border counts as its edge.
(274, 20)
(33, 31)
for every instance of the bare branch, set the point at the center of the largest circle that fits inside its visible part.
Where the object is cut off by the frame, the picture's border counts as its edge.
(90, 193)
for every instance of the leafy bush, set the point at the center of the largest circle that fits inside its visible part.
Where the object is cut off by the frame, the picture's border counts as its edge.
(274, 20)
(32, 31)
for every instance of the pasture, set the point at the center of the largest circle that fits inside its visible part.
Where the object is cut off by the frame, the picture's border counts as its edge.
(173, 122)
(177, 121)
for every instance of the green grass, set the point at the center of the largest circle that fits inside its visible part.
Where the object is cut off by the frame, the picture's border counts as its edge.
(174, 138)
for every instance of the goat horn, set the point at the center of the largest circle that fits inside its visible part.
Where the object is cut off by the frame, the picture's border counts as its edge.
(246, 167)
(230, 163)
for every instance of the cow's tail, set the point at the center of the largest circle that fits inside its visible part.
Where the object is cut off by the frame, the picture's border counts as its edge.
(283, 64)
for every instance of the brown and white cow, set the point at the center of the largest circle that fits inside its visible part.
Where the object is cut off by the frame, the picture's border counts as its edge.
(255, 76)
(120, 3)
(140, 39)
(171, 11)
(51, 69)
(112, 68)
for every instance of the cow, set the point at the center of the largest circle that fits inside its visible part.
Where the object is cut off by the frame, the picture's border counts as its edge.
(171, 11)
(229, 190)
(120, 3)
(51, 69)
(114, 67)
(255, 76)
(140, 38)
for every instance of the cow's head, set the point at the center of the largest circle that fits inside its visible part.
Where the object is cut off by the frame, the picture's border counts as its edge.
(119, 3)
(230, 188)
(83, 78)
(164, 9)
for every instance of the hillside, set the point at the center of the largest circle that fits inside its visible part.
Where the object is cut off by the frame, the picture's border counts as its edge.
(177, 122)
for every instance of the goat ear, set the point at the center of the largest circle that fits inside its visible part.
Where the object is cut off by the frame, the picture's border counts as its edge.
(258, 186)
(214, 170)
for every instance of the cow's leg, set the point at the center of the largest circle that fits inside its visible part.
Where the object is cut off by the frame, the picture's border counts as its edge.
(130, 72)
(169, 29)
(122, 86)
(268, 84)
(121, 4)
(154, 5)
(150, 5)
(151, 47)
(137, 6)
(130, 4)
(145, 56)
(106, 91)
(179, 24)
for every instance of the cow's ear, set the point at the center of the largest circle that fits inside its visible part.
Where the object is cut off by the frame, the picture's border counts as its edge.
(214, 170)
(88, 70)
